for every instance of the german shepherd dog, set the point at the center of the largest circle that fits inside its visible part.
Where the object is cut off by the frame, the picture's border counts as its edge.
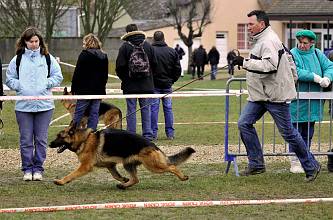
(109, 147)
(110, 114)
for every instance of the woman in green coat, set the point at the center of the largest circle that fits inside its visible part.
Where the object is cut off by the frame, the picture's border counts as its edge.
(315, 72)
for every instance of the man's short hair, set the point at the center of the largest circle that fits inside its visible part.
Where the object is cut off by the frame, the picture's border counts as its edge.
(261, 16)
(158, 36)
(131, 27)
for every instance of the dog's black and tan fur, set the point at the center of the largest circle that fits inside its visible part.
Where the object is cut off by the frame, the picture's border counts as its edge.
(109, 147)
(110, 114)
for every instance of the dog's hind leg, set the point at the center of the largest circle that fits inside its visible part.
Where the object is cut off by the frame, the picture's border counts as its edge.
(115, 174)
(156, 162)
(131, 169)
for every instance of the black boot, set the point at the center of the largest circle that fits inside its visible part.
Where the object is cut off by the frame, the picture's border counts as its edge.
(330, 162)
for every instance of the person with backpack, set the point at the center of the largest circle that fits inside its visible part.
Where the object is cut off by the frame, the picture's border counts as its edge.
(90, 78)
(166, 73)
(315, 72)
(134, 67)
(33, 72)
(271, 87)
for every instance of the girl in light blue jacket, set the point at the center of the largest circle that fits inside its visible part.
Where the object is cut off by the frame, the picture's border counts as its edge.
(29, 74)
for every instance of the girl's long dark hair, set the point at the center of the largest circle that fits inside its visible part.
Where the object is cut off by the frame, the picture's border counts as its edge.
(26, 36)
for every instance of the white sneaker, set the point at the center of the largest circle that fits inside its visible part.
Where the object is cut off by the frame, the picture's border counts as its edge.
(27, 177)
(295, 165)
(37, 177)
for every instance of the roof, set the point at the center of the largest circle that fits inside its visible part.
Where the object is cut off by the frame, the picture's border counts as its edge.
(299, 9)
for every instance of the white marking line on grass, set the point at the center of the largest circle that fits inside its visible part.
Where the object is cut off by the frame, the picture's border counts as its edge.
(57, 119)
(161, 204)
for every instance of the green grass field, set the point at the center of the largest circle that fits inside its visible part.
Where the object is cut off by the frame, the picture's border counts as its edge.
(201, 123)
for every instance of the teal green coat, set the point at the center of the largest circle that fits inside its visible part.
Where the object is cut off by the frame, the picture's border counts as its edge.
(307, 63)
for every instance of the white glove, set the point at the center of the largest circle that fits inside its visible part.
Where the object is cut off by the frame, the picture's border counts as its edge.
(325, 82)
(317, 78)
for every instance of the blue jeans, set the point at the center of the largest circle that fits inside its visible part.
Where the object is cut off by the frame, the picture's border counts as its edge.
(167, 109)
(145, 116)
(33, 127)
(213, 71)
(305, 133)
(90, 105)
(252, 112)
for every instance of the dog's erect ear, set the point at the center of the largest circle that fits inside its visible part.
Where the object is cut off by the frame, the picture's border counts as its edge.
(65, 91)
(72, 128)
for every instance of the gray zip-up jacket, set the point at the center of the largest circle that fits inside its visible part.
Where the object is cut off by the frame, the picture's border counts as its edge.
(268, 77)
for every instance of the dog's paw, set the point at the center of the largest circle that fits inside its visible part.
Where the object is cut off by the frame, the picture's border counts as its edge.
(121, 186)
(58, 182)
(185, 178)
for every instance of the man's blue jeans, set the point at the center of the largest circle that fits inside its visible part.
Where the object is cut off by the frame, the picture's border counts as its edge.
(213, 71)
(168, 114)
(252, 112)
(90, 105)
(33, 128)
(145, 116)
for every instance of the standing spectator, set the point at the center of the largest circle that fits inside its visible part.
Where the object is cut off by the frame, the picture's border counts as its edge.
(166, 73)
(30, 74)
(214, 59)
(329, 52)
(271, 87)
(192, 64)
(1, 85)
(180, 53)
(136, 83)
(200, 59)
(230, 57)
(90, 78)
(315, 72)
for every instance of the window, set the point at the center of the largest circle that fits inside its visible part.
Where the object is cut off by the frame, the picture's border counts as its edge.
(242, 37)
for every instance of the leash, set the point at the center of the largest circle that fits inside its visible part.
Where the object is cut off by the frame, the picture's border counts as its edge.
(186, 84)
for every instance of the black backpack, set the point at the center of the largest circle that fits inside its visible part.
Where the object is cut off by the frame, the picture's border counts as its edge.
(18, 62)
(138, 64)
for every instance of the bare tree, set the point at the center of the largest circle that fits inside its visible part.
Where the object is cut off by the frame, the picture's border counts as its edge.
(16, 15)
(98, 16)
(190, 16)
(53, 10)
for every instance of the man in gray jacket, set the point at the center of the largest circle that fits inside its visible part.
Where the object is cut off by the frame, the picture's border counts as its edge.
(271, 87)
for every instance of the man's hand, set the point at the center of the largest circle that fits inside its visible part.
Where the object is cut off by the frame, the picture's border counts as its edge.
(325, 82)
(238, 60)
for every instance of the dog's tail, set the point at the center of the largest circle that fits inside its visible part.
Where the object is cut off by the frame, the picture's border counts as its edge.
(181, 157)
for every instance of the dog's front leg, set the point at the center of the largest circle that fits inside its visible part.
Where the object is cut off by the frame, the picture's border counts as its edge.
(80, 171)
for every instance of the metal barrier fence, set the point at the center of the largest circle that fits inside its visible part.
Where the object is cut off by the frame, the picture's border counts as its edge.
(277, 146)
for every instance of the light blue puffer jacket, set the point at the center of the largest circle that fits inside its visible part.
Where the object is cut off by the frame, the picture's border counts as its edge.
(307, 63)
(33, 80)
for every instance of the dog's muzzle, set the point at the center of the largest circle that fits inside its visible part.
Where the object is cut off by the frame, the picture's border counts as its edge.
(61, 146)
(61, 149)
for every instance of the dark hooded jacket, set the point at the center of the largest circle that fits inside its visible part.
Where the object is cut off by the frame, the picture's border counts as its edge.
(168, 68)
(91, 73)
(131, 85)
(200, 57)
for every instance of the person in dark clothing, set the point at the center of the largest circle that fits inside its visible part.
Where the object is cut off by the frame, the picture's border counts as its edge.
(90, 78)
(167, 72)
(181, 53)
(1, 85)
(214, 59)
(200, 59)
(230, 57)
(129, 85)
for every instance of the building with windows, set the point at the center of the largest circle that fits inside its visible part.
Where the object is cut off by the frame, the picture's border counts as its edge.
(228, 27)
